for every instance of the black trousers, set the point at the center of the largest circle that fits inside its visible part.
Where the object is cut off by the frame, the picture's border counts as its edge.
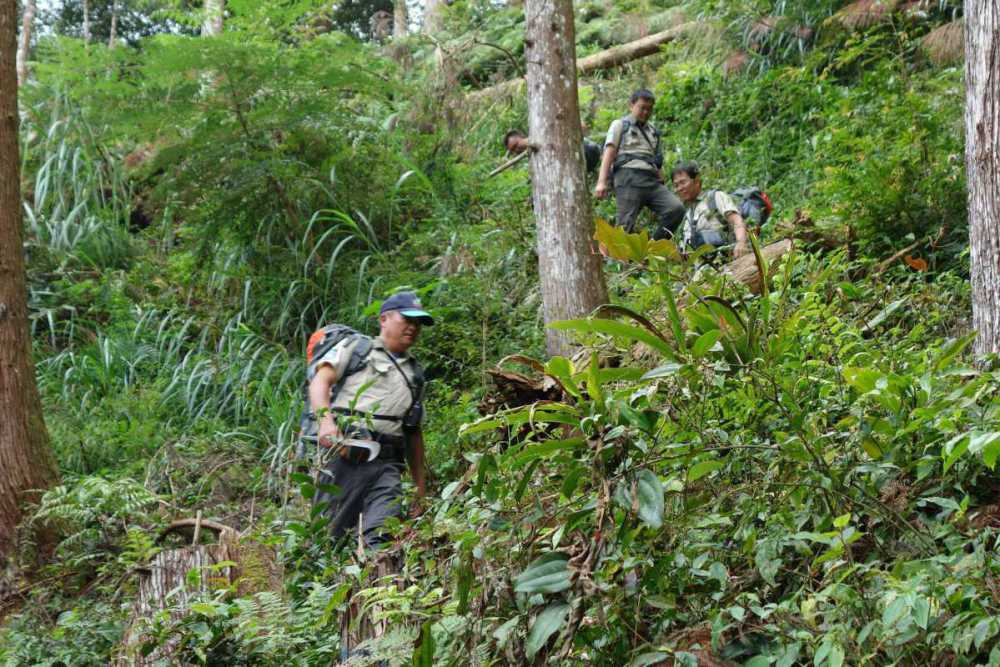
(367, 493)
(665, 205)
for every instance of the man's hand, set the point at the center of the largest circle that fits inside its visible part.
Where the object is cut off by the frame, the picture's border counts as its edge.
(601, 190)
(741, 248)
(328, 432)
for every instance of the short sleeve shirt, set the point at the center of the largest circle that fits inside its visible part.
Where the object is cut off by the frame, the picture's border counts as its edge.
(640, 139)
(700, 216)
(376, 389)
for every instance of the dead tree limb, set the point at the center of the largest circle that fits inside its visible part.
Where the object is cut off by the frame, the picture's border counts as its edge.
(509, 163)
(895, 257)
(606, 59)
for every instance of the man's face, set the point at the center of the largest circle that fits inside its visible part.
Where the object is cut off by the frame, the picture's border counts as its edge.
(397, 331)
(687, 188)
(641, 109)
(517, 144)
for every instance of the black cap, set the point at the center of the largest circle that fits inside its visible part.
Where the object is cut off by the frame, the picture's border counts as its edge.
(408, 305)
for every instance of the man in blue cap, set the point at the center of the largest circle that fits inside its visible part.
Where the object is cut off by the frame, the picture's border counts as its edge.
(373, 421)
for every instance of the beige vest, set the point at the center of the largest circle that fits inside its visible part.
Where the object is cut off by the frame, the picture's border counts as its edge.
(641, 141)
(376, 389)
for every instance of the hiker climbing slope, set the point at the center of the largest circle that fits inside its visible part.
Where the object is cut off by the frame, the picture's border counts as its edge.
(381, 405)
(711, 217)
(633, 159)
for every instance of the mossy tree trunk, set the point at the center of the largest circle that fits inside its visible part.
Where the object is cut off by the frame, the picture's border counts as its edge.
(570, 271)
(982, 163)
(26, 462)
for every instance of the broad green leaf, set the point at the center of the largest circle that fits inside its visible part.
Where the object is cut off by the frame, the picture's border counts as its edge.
(205, 609)
(861, 379)
(546, 624)
(650, 491)
(954, 449)
(954, 348)
(593, 380)
(884, 314)
(705, 342)
(987, 443)
(533, 451)
(699, 470)
(617, 329)
(666, 370)
(562, 370)
(547, 574)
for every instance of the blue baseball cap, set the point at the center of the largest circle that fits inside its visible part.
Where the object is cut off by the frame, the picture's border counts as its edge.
(408, 305)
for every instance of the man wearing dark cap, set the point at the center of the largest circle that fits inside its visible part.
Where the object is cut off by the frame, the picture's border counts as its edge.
(372, 424)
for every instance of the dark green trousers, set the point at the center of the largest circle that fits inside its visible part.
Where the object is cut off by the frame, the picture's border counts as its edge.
(665, 205)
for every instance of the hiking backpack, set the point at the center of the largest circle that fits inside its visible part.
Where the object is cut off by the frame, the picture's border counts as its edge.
(320, 342)
(753, 203)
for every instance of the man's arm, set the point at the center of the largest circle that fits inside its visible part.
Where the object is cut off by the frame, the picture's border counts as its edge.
(742, 246)
(604, 174)
(415, 457)
(319, 402)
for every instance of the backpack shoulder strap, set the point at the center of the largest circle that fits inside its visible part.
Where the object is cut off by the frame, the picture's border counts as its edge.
(359, 355)
(626, 124)
(713, 204)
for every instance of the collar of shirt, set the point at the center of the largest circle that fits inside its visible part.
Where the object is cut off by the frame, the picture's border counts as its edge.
(379, 344)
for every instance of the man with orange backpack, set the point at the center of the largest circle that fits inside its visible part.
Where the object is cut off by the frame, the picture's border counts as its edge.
(364, 398)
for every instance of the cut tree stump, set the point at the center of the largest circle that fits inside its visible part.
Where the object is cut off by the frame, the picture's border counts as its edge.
(165, 585)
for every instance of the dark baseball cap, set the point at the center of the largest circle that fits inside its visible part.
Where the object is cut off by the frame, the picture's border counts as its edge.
(408, 305)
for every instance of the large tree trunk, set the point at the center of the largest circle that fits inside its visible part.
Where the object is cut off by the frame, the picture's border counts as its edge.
(22, 48)
(400, 19)
(212, 24)
(26, 463)
(613, 57)
(433, 16)
(982, 165)
(570, 271)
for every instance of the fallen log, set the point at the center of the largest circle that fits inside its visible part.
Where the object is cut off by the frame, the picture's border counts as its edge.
(606, 59)
(746, 271)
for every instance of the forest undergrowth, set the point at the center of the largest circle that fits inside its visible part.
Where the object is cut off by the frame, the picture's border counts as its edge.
(804, 475)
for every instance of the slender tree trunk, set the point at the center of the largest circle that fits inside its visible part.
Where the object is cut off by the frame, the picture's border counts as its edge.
(433, 16)
(86, 22)
(26, 462)
(22, 48)
(214, 11)
(572, 281)
(982, 165)
(400, 19)
(113, 36)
